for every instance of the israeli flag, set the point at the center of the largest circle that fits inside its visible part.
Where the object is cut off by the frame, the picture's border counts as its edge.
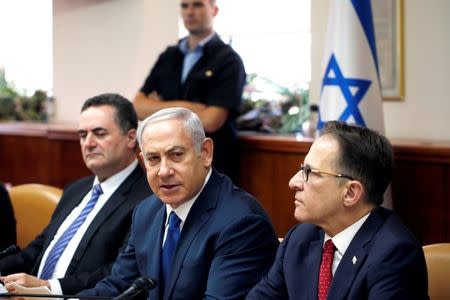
(350, 86)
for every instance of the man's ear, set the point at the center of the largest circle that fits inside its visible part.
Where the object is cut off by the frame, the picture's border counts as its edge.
(216, 10)
(142, 159)
(207, 152)
(353, 192)
(131, 135)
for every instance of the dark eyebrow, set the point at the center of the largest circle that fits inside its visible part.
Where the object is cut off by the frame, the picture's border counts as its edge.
(177, 148)
(147, 154)
(95, 130)
(194, 4)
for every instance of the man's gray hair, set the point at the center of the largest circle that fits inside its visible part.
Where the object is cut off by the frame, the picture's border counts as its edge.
(191, 122)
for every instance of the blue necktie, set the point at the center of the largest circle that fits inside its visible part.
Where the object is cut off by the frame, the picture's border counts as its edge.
(173, 233)
(61, 244)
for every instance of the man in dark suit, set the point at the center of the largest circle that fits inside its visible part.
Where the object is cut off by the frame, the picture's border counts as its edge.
(92, 219)
(203, 74)
(7, 220)
(211, 240)
(347, 247)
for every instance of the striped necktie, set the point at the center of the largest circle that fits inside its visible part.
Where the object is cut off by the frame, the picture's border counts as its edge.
(61, 244)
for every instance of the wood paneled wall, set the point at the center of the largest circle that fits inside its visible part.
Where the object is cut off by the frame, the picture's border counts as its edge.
(420, 184)
(50, 154)
(267, 165)
(40, 153)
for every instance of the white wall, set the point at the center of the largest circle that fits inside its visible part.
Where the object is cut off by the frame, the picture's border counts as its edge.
(425, 111)
(26, 44)
(110, 45)
(106, 46)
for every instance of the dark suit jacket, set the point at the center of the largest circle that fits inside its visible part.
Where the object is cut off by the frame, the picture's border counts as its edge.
(226, 245)
(389, 264)
(7, 220)
(99, 246)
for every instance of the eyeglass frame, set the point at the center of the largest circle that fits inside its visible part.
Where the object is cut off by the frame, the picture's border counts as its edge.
(308, 170)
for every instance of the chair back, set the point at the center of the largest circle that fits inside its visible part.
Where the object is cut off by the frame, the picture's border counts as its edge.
(33, 206)
(437, 257)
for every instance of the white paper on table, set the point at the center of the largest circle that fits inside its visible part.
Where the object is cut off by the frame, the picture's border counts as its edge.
(2, 289)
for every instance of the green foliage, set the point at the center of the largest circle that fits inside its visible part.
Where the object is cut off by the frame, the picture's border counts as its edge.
(274, 108)
(15, 105)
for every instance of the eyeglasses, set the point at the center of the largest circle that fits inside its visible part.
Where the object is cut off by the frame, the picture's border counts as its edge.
(307, 170)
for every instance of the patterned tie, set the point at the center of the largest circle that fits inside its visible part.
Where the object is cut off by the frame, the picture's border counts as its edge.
(325, 274)
(173, 233)
(60, 245)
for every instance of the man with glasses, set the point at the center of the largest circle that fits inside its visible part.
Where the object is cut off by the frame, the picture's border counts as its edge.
(348, 246)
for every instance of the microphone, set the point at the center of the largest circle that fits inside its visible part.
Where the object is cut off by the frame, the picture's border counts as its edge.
(9, 250)
(141, 284)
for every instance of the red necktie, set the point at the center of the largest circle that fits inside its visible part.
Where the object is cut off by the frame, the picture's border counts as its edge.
(325, 274)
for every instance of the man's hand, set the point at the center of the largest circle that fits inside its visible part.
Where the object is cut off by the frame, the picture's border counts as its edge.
(23, 280)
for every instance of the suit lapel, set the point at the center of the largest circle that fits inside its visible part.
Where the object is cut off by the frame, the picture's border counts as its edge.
(177, 69)
(198, 69)
(66, 208)
(346, 272)
(73, 201)
(312, 268)
(116, 199)
(199, 214)
(152, 254)
(354, 256)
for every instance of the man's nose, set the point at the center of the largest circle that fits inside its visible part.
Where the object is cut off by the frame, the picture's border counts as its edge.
(90, 141)
(296, 182)
(165, 168)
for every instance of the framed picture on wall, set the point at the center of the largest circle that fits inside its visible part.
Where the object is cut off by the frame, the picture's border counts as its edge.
(388, 21)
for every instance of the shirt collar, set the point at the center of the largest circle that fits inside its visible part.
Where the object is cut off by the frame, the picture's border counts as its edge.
(182, 211)
(183, 45)
(343, 239)
(113, 182)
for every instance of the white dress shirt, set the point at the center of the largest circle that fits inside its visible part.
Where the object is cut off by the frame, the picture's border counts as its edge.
(108, 186)
(343, 239)
(182, 211)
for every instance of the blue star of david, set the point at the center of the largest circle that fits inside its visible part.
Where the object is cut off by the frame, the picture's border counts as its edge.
(344, 84)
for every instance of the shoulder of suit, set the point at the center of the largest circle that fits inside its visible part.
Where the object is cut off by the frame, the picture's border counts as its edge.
(171, 51)
(216, 44)
(304, 231)
(393, 227)
(136, 185)
(85, 181)
(149, 206)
